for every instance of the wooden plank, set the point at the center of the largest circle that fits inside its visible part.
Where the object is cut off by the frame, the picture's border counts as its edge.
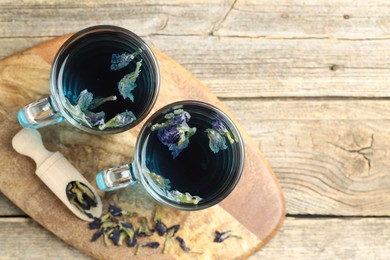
(255, 49)
(243, 18)
(23, 238)
(7, 208)
(331, 157)
(250, 68)
(333, 238)
(50, 18)
(314, 19)
(299, 238)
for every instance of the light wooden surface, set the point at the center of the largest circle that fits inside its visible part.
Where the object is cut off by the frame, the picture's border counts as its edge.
(255, 208)
(309, 81)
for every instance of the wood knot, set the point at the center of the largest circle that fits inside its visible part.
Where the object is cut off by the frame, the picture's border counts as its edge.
(334, 67)
(346, 16)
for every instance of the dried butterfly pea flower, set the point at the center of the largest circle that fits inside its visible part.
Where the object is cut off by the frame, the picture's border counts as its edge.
(81, 197)
(106, 235)
(222, 236)
(183, 244)
(95, 224)
(97, 235)
(171, 231)
(159, 225)
(149, 244)
(127, 84)
(115, 236)
(144, 230)
(119, 61)
(119, 120)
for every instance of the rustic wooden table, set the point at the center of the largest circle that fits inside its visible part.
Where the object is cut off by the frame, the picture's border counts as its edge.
(309, 81)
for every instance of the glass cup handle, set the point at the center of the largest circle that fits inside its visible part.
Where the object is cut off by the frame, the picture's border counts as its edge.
(116, 178)
(39, 114)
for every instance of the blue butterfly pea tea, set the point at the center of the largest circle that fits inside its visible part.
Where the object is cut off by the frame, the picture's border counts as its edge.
(104, 79)
(189, 155)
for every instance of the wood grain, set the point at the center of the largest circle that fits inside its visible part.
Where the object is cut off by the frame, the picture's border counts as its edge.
(331, 155)
(257, 219)
(299, 238)
(301, 77)
(249, 49)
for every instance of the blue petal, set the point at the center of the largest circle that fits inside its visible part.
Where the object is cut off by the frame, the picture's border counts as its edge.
(119, 120)
(119, 61)
(168, 135)
(84, 100)
(216, 141)
(127, 84)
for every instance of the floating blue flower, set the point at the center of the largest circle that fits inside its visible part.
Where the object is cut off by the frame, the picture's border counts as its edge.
(220, 128)
(217, 136)
(119, 61)
(119, 120)
(127, 84)
(216, 140)
(95, 119)
(169, 135)
(174, 132)
(85, 103)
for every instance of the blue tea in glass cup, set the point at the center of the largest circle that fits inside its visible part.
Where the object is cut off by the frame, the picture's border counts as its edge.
(104, 80)
(189, 155)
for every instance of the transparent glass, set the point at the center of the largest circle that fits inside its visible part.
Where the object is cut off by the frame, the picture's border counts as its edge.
(74, 61)
(185, 177)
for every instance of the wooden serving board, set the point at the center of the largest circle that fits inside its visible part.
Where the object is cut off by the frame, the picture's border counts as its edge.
(255, 209)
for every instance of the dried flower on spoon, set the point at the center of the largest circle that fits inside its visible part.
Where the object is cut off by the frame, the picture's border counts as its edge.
(81, 197)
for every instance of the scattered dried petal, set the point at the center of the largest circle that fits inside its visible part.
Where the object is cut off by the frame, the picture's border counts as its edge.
(151, 244)
(173, 230)
(97, 235)
(115, 236)
(115, 211)
(222, 236)
(183, 244)
(95, 224)
(144, 230)
(161, 228)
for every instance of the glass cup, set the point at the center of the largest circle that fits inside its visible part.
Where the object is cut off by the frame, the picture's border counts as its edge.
(104, 80)
(189, 155)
